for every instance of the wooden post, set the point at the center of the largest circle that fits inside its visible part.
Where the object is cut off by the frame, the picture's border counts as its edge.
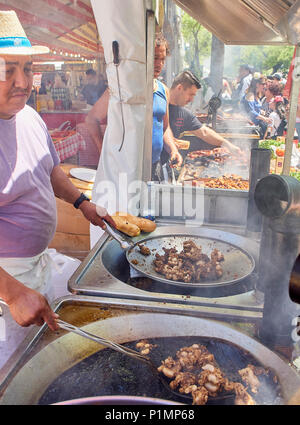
(292, 114)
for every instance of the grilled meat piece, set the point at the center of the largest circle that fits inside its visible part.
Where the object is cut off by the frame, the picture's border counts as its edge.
(189, 265)
(144, 250)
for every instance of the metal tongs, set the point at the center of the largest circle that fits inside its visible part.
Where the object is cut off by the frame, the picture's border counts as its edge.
(125, 241)
(137, 356)
(123, 350)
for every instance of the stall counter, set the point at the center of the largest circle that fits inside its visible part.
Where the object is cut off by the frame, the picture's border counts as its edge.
(55, 119)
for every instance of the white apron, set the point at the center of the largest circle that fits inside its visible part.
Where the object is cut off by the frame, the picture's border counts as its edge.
(47, 273)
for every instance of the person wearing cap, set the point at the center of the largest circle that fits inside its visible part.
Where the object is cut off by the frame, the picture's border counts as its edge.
(29, 180)
(276, 78)
(182, 91)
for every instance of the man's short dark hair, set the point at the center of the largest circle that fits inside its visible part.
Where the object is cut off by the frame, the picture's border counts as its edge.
(90, 72)
(186, 79)
(160, 40)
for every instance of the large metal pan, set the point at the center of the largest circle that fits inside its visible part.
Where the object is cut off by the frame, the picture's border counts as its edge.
(238, 264)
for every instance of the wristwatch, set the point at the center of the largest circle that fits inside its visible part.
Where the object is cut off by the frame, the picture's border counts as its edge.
(79, 200)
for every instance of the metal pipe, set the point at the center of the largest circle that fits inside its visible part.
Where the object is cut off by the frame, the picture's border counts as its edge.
(292, 114)
(259, 168)
(278, 199)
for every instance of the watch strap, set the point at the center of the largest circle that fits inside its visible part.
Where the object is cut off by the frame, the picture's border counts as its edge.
(79, 200)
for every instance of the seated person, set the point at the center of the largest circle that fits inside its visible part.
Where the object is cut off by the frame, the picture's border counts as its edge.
(252, 105)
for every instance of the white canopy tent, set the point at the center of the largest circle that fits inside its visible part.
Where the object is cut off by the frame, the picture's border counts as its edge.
(119, 174)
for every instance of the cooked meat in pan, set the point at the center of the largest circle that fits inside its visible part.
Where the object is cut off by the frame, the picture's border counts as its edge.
(194, 371)
(189, 265)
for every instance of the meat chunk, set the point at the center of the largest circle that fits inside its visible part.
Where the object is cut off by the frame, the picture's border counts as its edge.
(145, 347)
(190, 264)
(194, 371)
(144, 250)
(248, 376)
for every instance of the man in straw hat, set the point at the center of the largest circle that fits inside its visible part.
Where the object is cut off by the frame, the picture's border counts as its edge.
(30, 178)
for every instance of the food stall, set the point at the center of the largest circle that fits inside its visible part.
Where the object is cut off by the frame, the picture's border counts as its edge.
(118, 298)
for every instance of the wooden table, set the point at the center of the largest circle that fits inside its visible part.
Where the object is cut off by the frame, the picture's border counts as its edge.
(72, 235)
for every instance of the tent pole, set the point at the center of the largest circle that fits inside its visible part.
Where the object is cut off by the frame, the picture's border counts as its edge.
(147, 151)
(292, 114)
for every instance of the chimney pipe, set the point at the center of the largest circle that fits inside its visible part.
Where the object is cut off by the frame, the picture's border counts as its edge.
(278, 199)
(259, 168)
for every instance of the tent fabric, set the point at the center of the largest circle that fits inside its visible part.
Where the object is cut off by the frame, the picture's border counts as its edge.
(118, 170)
(288, 86)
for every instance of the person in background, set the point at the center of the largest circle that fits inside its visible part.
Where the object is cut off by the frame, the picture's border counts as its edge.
(277, 78)
(30, 179)
(277, 116)
(183, 90)
(60, 93)
(243, 82)
(94, 87)
(252, 105)
(270, 90)
(162, 137)
(95, 117)
(226, 92)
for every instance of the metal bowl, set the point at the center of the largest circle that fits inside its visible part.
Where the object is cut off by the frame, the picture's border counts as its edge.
(117, 400)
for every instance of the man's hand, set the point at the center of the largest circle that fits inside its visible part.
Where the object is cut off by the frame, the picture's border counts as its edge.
(95, 214)
(176, 158)
(234, 150)
(29, 307)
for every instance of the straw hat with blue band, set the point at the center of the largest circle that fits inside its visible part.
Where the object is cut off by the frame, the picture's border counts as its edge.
(13, 40)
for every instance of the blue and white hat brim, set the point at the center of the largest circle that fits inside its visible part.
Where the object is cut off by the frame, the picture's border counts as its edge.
(20, 46)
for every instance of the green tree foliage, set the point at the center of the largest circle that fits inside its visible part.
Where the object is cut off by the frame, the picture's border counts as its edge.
(197, 43)
(265, 59)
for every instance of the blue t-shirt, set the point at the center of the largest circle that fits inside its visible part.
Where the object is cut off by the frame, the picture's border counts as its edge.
(159, 111)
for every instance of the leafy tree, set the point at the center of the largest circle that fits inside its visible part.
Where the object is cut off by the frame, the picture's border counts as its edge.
(264, 58)
(197, 42)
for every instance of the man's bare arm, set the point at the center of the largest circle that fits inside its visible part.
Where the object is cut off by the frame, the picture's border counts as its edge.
(95, 116)
(213, 138)
(64, 189)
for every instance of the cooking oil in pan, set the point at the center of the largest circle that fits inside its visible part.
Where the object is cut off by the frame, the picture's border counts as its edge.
(110, 373)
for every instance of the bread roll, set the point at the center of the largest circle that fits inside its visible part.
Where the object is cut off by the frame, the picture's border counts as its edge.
(144, 224)
(125, 226)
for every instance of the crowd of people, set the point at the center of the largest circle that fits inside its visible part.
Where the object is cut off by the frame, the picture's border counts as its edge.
(261, 99)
